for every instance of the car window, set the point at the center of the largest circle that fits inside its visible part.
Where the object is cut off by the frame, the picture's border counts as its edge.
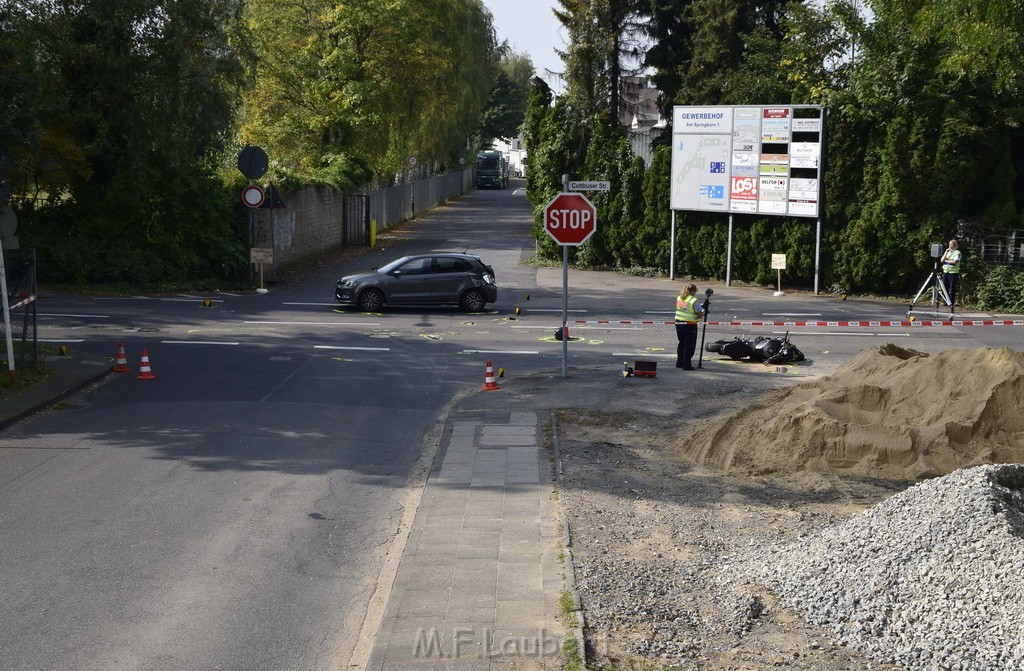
(419, 266)
(447, 264)
(388, 267)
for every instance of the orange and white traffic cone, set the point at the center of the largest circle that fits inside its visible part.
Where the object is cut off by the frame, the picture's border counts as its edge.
(489, 383)
(144, 372)
(121, 363)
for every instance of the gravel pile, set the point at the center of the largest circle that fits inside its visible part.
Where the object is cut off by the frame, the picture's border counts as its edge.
(931, 578)
(622, 593)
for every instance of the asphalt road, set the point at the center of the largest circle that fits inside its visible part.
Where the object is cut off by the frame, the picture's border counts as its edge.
(233, 513)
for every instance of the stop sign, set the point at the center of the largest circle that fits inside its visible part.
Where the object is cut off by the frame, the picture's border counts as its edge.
(570, 219)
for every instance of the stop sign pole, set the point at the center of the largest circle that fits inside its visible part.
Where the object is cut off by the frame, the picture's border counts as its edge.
(570, 219)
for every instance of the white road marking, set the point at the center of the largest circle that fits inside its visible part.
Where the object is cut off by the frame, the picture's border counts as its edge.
(196, 342)
(42, 340)
(58, 314)
(498, 351)
(634, 354)
(790, 314)
(361, 349)
(573, 327)
(315, 323)
(840, 333)
(551, 310)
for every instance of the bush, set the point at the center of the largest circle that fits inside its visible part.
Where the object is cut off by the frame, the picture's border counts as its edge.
(1002, 290)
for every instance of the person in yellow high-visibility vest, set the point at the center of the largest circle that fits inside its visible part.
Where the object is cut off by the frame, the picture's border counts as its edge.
(951, 270)
(688, 313)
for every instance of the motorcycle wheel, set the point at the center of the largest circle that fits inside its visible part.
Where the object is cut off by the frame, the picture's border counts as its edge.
(715, 347)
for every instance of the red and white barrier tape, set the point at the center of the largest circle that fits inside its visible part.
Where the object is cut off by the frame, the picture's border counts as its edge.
(872, 324)
(23, 301)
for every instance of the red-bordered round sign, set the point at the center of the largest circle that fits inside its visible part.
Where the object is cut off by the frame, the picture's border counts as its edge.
(253, 196)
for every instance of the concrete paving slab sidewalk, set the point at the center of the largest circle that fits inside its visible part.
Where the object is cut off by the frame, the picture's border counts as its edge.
(479, 583)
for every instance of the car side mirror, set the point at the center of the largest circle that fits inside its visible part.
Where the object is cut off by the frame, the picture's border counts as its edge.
(396, 273)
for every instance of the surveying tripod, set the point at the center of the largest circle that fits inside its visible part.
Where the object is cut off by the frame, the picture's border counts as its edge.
(938, 289)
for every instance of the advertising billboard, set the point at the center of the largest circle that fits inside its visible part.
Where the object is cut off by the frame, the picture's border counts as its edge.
(747, 159)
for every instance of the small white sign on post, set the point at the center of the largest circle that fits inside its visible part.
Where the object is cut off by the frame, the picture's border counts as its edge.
(590, 186)
(261, 255)
(779, 264)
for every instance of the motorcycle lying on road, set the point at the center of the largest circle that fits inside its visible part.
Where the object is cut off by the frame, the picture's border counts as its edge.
(763, 349)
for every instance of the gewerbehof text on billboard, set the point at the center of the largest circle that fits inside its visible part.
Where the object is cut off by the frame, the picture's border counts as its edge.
(747, 159)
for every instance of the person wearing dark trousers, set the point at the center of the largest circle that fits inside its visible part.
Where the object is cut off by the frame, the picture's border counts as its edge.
(688, 312)
(951, 270)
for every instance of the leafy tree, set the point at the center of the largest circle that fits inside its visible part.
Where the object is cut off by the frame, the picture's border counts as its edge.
(946, 109)
(670, 45)
(506, 104)
(655, 232)
(551, 140)
(605, 45)
(133, 99)
(348, 90)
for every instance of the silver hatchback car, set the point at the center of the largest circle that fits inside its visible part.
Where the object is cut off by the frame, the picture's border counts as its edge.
(442, 278)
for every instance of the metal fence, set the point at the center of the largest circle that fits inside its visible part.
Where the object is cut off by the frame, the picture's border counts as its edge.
(1002, 249)
(21, 293)
(395, 204)
(1005, 248)
(641, 140)
(355, 218)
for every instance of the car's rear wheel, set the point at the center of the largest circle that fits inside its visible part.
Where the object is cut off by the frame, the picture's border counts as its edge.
(473, 300)
(371, 300)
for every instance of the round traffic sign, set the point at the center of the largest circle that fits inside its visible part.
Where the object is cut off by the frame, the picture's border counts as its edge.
(570, 219)
(252, 196)
(253, 162)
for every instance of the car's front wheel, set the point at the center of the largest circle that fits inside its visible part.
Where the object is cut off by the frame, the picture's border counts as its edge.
(371, 300)
(473, 300)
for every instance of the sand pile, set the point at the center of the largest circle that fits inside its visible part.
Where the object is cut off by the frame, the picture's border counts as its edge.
(889, 413)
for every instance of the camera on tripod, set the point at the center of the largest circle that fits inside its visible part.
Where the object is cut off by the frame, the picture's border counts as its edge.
(934, 283)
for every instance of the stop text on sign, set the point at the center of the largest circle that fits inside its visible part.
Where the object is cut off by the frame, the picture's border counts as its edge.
(570, 219)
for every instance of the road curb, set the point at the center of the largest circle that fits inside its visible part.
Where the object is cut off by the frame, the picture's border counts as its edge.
(427, 465)
(570, 572)
(52, 392)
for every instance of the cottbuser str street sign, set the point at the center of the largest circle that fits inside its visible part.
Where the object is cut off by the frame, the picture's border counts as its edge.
(570, 219)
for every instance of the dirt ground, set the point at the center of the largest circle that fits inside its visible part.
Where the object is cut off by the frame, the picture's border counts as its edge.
(656, 512)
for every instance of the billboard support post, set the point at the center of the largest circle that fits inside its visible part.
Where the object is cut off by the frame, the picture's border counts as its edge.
(817, 255)
(672, 249)
(728, 257)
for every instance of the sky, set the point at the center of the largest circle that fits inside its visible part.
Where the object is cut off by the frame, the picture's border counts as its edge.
(529, 26)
